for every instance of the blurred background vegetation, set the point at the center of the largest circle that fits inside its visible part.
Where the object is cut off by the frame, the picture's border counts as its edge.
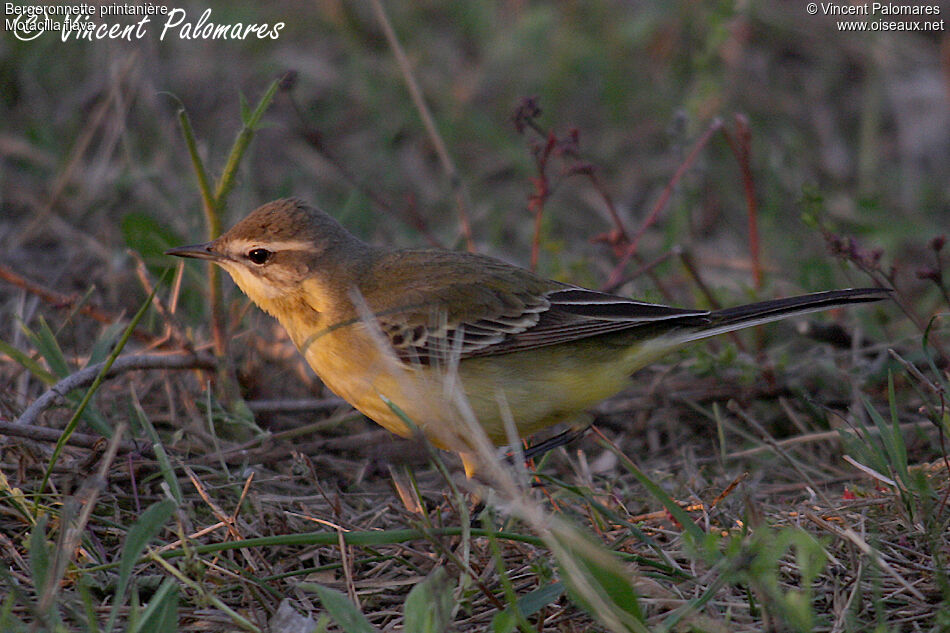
(849, 137)
(90, 135)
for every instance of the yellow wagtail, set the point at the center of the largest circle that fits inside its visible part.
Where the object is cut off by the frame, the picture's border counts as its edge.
(440, 336)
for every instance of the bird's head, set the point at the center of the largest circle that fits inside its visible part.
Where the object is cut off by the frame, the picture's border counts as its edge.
(278, 248)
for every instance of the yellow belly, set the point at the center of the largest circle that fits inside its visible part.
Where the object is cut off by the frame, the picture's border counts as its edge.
(536, 389)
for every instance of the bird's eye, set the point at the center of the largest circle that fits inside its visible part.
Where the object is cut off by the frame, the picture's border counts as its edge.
(259, 255)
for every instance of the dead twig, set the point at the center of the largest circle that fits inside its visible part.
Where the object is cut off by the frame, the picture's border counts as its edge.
(87, 375)
(448, 165)
(61, 300)
(82, 440)
(173, 328)
(300, 405)
(821, 436)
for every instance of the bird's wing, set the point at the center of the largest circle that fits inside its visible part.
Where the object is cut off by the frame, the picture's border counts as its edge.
(455, 305)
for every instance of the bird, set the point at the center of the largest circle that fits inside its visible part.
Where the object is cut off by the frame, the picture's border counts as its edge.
(434, 339)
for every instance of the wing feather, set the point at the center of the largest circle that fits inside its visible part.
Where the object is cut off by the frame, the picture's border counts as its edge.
(469, 305)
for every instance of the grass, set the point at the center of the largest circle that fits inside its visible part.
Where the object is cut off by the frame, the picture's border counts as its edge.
(766, 482)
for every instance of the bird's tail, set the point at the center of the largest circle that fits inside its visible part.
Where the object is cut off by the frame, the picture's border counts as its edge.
(740, 317)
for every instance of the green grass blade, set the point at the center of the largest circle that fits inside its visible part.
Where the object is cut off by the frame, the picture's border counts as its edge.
(39, 555)
(511, 617)
(48, 347)
(8, 621)
(428, 607)
(665, 564)
(534, 601)
(671, 506)
(596, 580)
(28, 363)
(161, 614)
(100, 349)
(45, 341)
(88, 605)
(143, 531)
(251, 122)
(900, 447)
(344, 612)
(895, 450)
(368, 538)
(528, 604)
(201, 173)
(164, 464)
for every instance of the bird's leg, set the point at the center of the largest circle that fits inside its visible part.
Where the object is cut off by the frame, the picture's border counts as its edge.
(561, 439)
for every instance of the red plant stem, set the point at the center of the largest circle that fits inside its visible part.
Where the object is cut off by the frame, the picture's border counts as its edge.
(60, 300)
(536, 238)
(611, 209)
(742, 149)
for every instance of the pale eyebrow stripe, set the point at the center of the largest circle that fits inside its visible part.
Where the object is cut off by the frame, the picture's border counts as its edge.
(286, 245)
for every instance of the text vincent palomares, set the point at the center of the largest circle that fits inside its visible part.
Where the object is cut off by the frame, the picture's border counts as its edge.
(73, 22)
(877, 8)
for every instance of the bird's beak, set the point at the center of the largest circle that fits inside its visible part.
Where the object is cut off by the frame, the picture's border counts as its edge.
(197, 251)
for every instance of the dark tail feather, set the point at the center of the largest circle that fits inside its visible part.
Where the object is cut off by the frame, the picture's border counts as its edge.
(800, 304)
(745, 316)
